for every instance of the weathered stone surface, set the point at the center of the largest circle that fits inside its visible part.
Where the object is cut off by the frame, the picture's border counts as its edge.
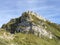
(29, 22)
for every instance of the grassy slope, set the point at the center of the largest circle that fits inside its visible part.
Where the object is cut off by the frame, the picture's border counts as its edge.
(27, 39)
(54, 28)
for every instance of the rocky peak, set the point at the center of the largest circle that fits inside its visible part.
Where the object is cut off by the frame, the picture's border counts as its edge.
(31, 22)
(29, 14)
(30, 29)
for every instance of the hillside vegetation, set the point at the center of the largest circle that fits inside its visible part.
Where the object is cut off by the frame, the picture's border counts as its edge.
(30, 29)
(25, 39)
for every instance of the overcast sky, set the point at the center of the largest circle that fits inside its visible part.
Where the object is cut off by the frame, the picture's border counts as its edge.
(49, 9)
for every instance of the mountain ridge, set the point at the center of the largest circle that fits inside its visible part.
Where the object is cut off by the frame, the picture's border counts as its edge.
(27, 22)
(29, 27)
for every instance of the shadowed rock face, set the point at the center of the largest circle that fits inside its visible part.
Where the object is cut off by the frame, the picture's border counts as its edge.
(30, 22)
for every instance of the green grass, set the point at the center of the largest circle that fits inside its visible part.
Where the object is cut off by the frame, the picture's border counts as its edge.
(27, 39)
(30, 39)
(54, 28)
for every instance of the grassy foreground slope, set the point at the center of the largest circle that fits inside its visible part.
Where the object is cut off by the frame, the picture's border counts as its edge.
(24, 39)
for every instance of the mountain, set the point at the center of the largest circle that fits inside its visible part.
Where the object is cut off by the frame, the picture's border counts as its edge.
(30, 29)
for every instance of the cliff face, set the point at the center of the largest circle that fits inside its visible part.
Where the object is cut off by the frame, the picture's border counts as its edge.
(30, 22)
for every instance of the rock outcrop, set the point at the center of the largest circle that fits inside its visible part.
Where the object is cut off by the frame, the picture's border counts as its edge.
(30, 22)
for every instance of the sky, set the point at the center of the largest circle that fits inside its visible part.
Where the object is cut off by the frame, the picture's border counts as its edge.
(49, 9)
